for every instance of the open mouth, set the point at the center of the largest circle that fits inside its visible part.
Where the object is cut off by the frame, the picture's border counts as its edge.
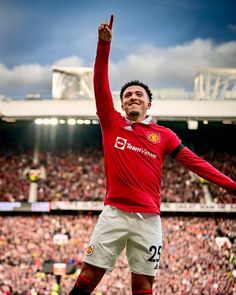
(134, 103)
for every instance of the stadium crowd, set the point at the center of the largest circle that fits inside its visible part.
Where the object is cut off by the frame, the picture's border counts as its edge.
(73, 177)
(179, 184)
(227, 164)
(79, 176)
(192, 262)
(13, 185)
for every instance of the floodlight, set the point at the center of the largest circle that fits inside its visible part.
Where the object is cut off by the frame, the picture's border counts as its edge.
(46, 121)
(38, 121)
(95, 122)
(80, 121)
(54, 121)
(192, 125)
(87, 122)
(71, 121)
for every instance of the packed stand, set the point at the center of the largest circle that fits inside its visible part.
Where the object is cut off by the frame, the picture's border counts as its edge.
(14, 186)
(72, 176)
(79, 176)
(226, 164)
(192, 261)
(179, 184)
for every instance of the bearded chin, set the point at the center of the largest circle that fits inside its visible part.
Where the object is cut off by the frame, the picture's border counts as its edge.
(133, 113)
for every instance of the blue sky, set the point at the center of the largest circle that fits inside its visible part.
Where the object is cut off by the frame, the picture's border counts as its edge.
(163, 42)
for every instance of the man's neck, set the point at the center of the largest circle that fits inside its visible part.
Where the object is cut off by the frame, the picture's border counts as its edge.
(136, 119)
(147, 120)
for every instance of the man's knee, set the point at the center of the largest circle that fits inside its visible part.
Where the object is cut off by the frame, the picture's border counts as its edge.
(87, 280)
(92, 272)
(142, 283)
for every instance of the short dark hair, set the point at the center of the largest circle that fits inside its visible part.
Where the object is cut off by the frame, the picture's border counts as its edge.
(136, 83)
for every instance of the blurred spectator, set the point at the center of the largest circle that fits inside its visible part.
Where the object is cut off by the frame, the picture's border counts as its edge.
(191, 262)
(79, 176)
(13, 185)
(73, 177)
(179, 184)
(227, 164)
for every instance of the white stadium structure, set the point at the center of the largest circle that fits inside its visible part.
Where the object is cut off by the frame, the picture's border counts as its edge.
(213, 98)
(72, 103)
(51, 191)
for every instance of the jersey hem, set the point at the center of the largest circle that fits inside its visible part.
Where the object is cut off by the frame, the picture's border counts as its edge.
(133, 208)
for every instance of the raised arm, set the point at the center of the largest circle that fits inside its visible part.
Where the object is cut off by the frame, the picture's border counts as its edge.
(202, 168)
(104, 102)
(105, 30)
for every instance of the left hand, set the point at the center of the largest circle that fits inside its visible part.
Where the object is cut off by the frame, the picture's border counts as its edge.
(105, 30)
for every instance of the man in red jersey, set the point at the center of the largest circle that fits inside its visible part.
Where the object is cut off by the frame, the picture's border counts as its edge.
(134, 150)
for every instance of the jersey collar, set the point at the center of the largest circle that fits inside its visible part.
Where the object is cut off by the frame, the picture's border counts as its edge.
(146, 121)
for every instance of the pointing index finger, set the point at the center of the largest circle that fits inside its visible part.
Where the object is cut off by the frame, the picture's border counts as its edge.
(111, 22)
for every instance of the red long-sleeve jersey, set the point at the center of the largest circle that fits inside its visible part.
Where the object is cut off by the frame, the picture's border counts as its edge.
(134, 152)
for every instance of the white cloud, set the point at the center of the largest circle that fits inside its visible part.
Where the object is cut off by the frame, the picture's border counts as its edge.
(20, 80)
(173, 66)
(24, 78)
(159, 67)
(72, 61)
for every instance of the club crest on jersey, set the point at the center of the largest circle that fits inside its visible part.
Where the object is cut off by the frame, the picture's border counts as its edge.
(89, 250)
(153, 137)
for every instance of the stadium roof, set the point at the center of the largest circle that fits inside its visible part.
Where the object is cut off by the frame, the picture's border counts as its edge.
(162, 109)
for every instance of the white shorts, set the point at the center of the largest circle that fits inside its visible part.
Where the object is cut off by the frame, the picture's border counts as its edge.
(140, 233)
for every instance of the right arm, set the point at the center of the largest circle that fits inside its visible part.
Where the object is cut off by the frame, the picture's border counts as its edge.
(104, 102)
